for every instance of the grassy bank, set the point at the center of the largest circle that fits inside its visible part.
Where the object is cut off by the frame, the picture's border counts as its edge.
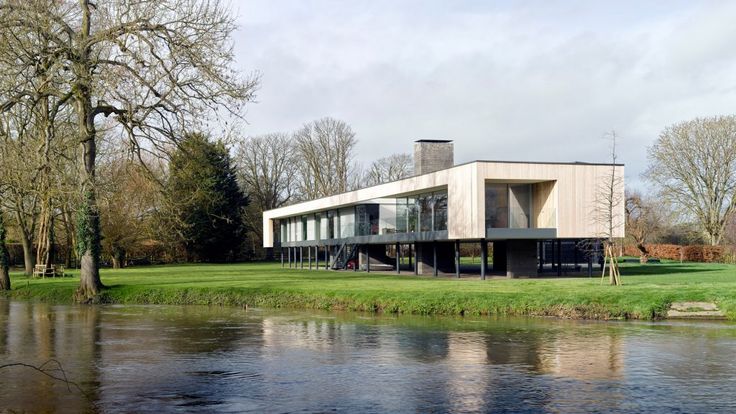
(647, 292)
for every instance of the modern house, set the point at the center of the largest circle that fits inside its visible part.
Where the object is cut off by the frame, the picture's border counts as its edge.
(534, 216)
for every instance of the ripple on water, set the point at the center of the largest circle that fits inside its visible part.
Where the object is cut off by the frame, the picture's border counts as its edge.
(158, 359)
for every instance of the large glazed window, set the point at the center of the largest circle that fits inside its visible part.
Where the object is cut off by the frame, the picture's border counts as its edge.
(332, 225)
(387, 216)
(440, 211)
(284, 231)
(497, 205)
(311, 233)
(520, 205)
(347, 222)
(367, 219)
(508, 205)
(320, 225)
(424, 206)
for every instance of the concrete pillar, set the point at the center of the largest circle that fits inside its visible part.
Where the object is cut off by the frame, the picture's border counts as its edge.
(301, 257)
(425, 254)
(374, 254)
(282, 257)
(309, 256)
(413, 255)
(483, 258)
(288, 251)
(521, 258)
(499, 256)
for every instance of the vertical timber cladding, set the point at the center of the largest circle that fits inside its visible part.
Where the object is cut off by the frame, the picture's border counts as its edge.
(571, 199)
(465, 203)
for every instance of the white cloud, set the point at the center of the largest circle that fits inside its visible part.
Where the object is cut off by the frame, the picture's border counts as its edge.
(516, 81)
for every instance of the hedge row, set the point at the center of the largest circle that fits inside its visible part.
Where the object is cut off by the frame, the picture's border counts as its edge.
(694, 253)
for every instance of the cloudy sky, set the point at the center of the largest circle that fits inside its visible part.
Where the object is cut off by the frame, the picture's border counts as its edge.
(507, 80)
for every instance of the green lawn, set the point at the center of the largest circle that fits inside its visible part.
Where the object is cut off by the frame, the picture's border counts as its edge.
(647, 292)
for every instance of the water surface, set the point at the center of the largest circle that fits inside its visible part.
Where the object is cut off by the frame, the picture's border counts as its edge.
(184, 359)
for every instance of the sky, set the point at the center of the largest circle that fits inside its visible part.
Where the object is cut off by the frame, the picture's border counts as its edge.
(506, 80)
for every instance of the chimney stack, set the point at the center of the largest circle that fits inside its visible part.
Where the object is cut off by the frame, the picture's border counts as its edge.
(432, 155)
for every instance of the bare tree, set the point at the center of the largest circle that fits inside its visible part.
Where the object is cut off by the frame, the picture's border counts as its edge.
(642, 221)
(19, 169)
(156, 67)
(387, 169)
(607, 211)
(266, 170)
(693, 164)
(127, 200)
(325, 150)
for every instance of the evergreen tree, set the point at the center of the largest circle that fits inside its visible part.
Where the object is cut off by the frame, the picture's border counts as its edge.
(206, 200)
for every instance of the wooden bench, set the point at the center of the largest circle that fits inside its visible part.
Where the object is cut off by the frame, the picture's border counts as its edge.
(51, 271)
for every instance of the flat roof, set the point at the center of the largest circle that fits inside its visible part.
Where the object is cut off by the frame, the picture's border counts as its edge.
(580, 163)
(437, 141)
(546, 162)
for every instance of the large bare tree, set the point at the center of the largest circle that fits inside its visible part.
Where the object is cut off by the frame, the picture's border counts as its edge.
(387, 169)
(693, 166)
(128, 197)
(266, 170)
(325, 150)
(266, 167)
(155, 67)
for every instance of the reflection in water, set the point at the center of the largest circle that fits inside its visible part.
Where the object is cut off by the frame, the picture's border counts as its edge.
(34, 333)
(165, 358)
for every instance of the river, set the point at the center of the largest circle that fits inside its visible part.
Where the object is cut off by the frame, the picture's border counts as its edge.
(184, 359)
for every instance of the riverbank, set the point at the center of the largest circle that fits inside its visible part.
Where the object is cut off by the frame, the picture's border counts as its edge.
(647, 293)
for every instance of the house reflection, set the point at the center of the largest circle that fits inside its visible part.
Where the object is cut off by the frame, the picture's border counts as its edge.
(584, 357)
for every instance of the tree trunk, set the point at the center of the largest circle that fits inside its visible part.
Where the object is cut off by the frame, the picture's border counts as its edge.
(89, 229)
(4, 278)
(29, 257)
(118, 258)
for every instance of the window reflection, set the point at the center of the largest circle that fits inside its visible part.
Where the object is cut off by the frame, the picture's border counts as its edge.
(508, 205)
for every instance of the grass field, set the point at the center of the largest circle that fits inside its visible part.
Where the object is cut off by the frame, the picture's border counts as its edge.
(647, 292)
